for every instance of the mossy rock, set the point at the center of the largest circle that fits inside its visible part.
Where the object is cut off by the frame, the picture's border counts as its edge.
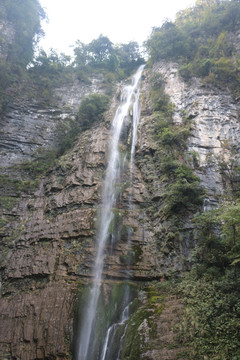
(142, 327)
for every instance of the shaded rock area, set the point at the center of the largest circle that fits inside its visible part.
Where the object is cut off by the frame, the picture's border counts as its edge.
(7, 38)
(35, 325)
(31, 123)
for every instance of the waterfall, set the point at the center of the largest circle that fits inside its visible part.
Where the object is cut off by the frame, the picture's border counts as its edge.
(136, 114)
(113, 173)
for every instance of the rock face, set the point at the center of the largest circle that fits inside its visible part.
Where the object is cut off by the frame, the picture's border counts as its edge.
(216, 129)
(28, 125)
(48, 249)
(35, 325)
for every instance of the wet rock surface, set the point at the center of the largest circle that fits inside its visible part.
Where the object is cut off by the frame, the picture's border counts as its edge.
(51, 243)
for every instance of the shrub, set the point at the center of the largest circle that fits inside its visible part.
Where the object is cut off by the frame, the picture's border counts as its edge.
(211, 289)
(198, 40)
(174, 137)
(183, 195)
(91, 110)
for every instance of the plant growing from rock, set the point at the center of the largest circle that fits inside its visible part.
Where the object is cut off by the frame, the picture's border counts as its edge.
(92, 109)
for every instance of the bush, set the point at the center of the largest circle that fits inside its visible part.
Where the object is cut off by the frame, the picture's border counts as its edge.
(211, 289)
(92, 109)
(183, 191)
(183, 195)
(174, 138)
(198, 41)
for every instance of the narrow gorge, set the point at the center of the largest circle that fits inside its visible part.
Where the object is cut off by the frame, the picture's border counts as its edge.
(120, 213)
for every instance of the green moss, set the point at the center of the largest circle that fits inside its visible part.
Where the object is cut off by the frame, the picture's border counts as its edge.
(8, 202)
(134, 343)
(137, 249)
(142, 326)
(126, 231)
(3, 222)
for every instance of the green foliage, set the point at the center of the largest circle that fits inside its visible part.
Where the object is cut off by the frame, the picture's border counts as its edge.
(199, 41)
(47, 71)
(100, 52)
(67, 132)
(170, 42)
(25, 16)
(92, 109)
(211, 322)
(162, 106)
(43, 160)
(212, 288)
(129, 57)
(174, 137)
(8, 202)
(15, 187)
(52, 64)
(183, 195)
(183, 191)
(101, 55)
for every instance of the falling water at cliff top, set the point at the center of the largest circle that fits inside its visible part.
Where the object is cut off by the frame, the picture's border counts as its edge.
(108, 203)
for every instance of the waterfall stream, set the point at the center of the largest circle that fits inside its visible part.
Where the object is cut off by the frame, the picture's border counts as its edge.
(129, 99)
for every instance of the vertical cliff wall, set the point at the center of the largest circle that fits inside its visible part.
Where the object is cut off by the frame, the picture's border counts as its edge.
(48, 246)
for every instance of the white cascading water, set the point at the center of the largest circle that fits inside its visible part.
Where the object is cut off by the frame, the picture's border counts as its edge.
(136, 115)
(112, 330)
(106, 215)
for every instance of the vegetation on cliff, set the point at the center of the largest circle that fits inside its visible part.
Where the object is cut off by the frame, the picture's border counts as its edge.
(182, 189)
(25, 17)
(200, 40)
(211, 289)
(98, 58)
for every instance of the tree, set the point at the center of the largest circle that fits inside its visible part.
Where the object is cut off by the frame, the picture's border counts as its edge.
(100, 50)
(26, 16)
(81, 54)
(129, 56)
(91, 109)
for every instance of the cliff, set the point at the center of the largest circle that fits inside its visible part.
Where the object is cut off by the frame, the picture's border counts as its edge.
(48, 247)
(49, 223)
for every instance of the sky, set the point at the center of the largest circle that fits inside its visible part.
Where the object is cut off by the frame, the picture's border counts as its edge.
(121, 21)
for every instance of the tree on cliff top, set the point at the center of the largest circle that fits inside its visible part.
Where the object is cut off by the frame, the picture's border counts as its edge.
(199, 41)
(26, 16)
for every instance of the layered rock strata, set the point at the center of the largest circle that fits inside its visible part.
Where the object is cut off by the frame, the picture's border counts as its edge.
(48, 249)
